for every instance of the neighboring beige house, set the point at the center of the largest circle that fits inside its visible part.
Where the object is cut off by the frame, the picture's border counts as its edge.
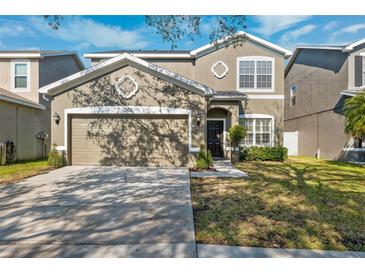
(23, 111)
(157, 107)
(318, 79)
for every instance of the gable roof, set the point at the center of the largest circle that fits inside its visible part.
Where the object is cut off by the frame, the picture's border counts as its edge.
(222, 42)
(40, 54)
(117, 62)
(11, 97)
(192, 54)
(351, 46)
(311, 47)
(344, 48)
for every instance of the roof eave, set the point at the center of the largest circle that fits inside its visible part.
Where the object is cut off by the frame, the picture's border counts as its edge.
(209, 47)
(21, 55)
(140, 55)
(21, 102)
(92, 72)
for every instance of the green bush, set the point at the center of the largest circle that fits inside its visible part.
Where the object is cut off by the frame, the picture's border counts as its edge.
(201, 164)
(263, 153)
(54, 158)
(204, 160)
(236, 134)
(209, 158)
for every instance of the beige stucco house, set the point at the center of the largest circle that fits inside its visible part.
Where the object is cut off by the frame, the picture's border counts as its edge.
(24, 113)
(158, 107)
(318, 80)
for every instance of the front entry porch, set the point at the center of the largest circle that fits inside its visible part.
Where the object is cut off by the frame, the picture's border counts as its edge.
(221, 116)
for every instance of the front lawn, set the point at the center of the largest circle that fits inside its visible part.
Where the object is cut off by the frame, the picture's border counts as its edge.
(301, 203)
(22, 170)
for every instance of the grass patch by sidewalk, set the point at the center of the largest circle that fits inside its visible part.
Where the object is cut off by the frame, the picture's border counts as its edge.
(300, 203)
(23, 169)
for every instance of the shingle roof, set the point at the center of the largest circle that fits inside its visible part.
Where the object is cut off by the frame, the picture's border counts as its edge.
(228, 95)
(9, 96)
(143, 51)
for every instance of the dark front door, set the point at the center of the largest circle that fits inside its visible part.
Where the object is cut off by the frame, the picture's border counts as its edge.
(215, 138)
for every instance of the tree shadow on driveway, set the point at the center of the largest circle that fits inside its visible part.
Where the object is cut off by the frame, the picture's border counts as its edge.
(96, 206)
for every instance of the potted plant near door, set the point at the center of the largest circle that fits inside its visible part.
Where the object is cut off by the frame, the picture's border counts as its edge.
(236, 135)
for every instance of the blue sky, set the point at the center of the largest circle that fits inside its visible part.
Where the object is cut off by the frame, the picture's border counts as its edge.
(98, 33)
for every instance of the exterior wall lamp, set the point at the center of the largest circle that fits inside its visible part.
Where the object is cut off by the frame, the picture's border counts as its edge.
(57, 118)
(198, 119)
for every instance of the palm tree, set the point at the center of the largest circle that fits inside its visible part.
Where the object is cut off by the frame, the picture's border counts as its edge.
(354, 112)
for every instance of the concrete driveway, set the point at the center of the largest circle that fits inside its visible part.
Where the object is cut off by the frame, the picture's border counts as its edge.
(98, 212)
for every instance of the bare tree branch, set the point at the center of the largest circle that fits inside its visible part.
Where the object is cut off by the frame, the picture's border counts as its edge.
(176, 28)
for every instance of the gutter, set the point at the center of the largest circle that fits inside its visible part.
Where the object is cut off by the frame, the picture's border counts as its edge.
(21, 102)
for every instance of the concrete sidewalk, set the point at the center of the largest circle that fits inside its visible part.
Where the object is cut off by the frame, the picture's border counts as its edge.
(221, 251)
(224, 169)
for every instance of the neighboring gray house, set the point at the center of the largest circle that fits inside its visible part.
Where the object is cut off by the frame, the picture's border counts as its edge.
(23, 111)
(157, 107)
(318, 79)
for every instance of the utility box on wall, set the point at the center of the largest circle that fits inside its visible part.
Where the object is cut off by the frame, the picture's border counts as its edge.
(291, 142)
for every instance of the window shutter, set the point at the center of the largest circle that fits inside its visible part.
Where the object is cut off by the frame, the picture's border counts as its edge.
(358, 71)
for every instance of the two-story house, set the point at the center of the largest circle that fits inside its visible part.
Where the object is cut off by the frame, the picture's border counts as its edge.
(157, 107)
(318, 79)
(24, 113)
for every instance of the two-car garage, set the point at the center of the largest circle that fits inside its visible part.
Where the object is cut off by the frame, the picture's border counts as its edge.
(129, 140)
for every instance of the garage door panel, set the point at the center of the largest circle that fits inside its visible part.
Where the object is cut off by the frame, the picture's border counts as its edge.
(129, 141)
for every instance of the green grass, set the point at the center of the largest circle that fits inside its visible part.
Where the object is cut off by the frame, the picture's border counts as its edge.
(300, 203)
(21, 170)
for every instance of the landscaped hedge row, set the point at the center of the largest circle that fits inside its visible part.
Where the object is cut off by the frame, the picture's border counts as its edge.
(263, 153)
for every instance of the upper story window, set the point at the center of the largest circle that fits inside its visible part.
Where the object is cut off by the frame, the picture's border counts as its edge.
(20, 75)
(293, 95)
(255, 74)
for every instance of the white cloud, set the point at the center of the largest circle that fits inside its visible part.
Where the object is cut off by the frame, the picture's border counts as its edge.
(272, 24)
(207, 24)
(14, 29)
(353, 28)
(295, 34)
(87, 32)
(330, 26)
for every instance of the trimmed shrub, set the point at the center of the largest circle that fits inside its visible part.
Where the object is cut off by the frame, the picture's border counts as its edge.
(204, 160)
(201, 164)
(263, 153)
(236, 134)
(54, 158)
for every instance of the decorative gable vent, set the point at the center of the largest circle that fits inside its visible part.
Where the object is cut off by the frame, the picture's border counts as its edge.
(126, 86)
(219, 69)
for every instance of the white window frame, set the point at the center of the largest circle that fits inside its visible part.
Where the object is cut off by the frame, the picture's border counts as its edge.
(255, 59)
(261, 116)
(13, 64)
(291, 94)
